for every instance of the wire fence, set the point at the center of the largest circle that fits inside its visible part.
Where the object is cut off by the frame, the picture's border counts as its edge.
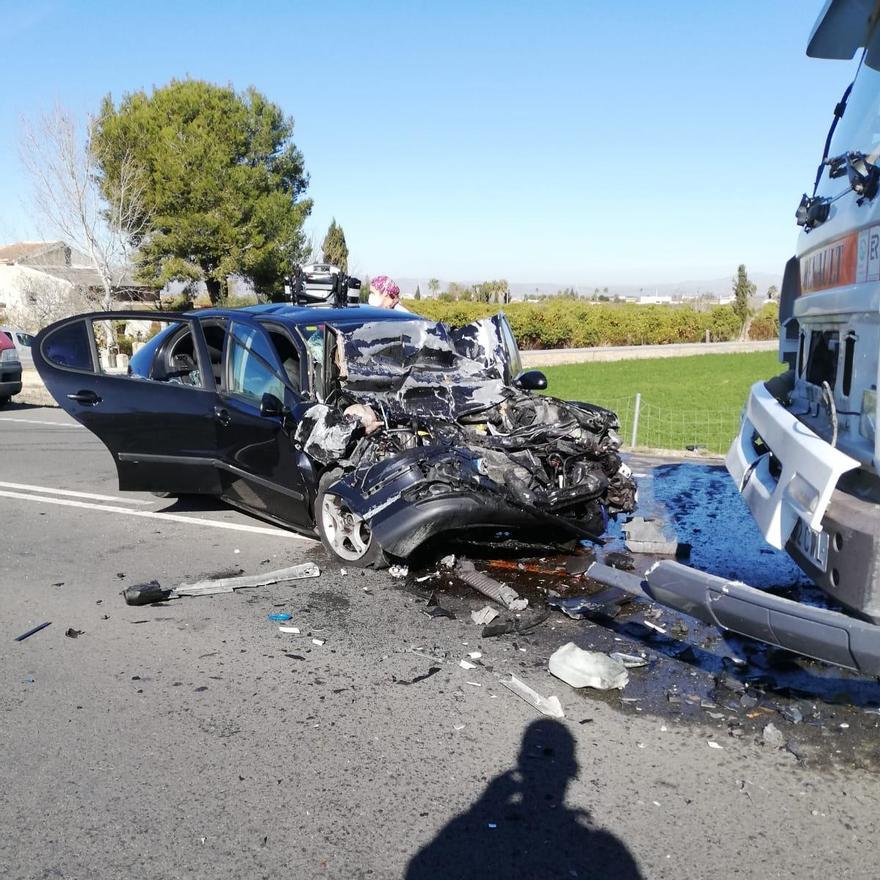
(644, 425)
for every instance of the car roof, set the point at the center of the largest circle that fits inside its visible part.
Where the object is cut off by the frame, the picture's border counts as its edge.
(291, 314)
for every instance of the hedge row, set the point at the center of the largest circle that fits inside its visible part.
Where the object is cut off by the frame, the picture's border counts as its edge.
(568, 324)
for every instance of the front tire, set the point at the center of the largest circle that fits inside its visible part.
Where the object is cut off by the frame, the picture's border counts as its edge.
(347, 539)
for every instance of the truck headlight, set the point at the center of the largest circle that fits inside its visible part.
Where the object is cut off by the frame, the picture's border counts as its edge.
(868, 415)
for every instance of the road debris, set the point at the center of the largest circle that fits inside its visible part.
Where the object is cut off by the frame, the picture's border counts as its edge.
(433, 670)
(630, 661)
(580, 668)
(518, 626)
(466, 664)
(648, 536)
(427, 577)
(489, 587)
(318, 642)
(484, 615)
(293, 630)
(398, 571)
(546, 705)
(145, 594)
(30, 632)
(230, 584)
(280, 616)
(72, 633)
(438, 611)
(772, 736)
(448, 561)
(606, 603)
(714, 745)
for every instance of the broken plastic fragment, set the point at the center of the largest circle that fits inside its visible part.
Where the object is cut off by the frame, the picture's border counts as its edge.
(713, 745)
(546, 705)
(318, 642)
(448, 561)
(280, 616)
(484, 615)
(289, 629)
(230, 584)
(466, 664)
(630, 661)
(581, 668)
(398, 571)
(72, 633)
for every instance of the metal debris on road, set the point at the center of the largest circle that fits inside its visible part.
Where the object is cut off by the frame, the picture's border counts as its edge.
(145, 594)
(438, 611)
(30, 632)
(489, 587)
(267, 578)
(484, 615)
(606, 603)
(427, 577)
(545, 705)
(630, 661)
(520, 627)
(580, 668)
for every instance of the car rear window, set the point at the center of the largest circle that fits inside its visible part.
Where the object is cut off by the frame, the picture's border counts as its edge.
(68, 346)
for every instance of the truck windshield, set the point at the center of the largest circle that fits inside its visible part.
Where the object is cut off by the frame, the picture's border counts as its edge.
(859, 127)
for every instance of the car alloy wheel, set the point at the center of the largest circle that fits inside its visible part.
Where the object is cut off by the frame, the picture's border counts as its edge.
(349, 537)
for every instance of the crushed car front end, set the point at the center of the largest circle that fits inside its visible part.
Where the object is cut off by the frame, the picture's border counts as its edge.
(432, 441)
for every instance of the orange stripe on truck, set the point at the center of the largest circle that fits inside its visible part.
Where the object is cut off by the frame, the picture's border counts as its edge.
(839, 262)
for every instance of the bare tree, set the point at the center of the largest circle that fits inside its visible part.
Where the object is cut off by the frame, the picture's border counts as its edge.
(45, 299)
(59, 156)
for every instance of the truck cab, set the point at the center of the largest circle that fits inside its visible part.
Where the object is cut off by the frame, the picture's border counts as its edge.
(806, 457)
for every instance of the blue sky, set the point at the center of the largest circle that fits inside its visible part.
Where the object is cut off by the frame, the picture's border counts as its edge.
(568, 142)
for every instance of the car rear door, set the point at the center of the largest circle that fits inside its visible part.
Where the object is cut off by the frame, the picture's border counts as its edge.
(260, 468)
(157, 417)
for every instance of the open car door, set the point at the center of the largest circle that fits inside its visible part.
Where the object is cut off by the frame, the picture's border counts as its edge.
(157, 416)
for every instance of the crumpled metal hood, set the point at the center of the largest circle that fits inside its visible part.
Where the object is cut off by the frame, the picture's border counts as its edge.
(420, 366)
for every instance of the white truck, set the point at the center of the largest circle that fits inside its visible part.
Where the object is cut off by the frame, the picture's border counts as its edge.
(807, 457)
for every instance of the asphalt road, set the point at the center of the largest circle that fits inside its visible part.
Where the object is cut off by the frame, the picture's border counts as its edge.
(194, 739)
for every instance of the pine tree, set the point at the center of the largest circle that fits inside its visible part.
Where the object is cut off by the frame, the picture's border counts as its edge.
(418, 293)
(334, 248)
(743, 289)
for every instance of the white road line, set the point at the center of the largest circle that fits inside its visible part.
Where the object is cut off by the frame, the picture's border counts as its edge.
(170, 517)
(40, 422)
(69, 492)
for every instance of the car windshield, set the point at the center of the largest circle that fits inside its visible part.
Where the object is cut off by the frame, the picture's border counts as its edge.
(859, 127)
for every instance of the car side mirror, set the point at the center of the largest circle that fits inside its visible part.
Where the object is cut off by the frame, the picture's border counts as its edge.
(271, 407)
(531, 380)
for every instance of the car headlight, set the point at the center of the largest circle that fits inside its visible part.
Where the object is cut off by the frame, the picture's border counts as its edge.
(868, 415)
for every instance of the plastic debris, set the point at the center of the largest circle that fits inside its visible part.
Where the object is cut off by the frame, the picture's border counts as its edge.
(580, 668)
(475, 655)
(772, 736)
(230, 584)
(606, 603)
(145, 594)
(714, 745)
(648, 536)
(294, 630)
(448, 561)
(484, 615)
(427, 577)
(72, 633)
(433, 670)
(792, 714)
(438, 611)
(488, 586)
(318, 642)
(630, 661)
(280, 616)
(30, 632)
(398, 571)
(514, 626)
(545, 705)
(466, 664)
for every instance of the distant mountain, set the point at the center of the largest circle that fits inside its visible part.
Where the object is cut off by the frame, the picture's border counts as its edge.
(717, 287)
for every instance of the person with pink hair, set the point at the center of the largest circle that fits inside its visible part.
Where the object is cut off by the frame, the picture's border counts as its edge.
(385, 294)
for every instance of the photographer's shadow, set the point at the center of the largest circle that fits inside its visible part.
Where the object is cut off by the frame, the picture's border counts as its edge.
(521, 828)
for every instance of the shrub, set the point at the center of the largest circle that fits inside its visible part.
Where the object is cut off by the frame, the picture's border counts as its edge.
(765, 325)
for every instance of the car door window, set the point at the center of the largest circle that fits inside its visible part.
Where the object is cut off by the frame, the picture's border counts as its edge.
(253, 371)
(69, 346)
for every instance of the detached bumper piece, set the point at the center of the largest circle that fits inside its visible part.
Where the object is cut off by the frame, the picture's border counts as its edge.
(736, 607)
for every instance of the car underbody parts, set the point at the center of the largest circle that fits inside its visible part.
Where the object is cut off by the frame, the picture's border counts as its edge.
(814, 632)
(489, 587)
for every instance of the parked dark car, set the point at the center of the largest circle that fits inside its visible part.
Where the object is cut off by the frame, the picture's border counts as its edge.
(374, 429)
(10, 369)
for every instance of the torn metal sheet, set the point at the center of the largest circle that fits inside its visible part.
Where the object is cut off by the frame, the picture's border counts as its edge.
(545, 705)
(229, 585)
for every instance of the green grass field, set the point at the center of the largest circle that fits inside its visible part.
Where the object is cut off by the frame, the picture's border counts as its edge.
(686, 401)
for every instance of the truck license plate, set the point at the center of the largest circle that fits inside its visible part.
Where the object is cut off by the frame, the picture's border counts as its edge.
(814, 545)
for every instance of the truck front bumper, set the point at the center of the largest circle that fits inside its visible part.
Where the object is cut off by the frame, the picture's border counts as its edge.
(808, 468)
(738, 608)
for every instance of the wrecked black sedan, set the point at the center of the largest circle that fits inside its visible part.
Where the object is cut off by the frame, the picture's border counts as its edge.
(377, 430)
